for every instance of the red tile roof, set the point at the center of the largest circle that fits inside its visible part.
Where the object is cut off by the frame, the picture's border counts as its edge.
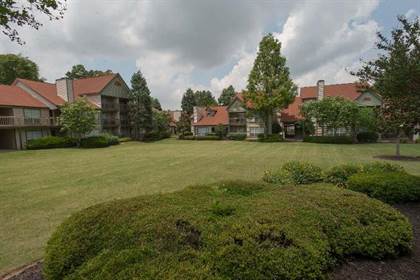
(46, 90)
(292, 112)
(220, 116)
(349, 91)
(15, 96)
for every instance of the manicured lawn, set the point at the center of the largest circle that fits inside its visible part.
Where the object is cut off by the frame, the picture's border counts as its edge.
(40, 188)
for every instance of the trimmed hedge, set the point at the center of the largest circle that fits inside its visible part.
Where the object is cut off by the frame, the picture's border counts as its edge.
(236, 136)
(227, 230)
(294, 172)
(339, 174)
(50, 142)
(328, 139)
(390, 187)
(199, 138)
(367, 137)
(270, 138)
(95, 142)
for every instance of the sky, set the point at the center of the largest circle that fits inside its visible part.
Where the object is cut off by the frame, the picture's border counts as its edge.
(209, 44)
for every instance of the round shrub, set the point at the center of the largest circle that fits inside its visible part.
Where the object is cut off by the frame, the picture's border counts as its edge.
(294, 172)
(95, 142)
(367, 137)
(227, 230)
(50, 142)
(391, 187)
(112, 139)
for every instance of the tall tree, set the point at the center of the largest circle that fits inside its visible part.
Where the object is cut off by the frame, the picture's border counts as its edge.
(183, 126)
(188, 102)
(79, 71)
(156, 104)
(140, 107)
(204, 98)
(269, 85)
(227, 95)
(78, 118)
(16, 66)
(23, 12)
(395, 75)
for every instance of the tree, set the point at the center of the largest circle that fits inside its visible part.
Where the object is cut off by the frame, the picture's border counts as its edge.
(161, 124)
(79, 71)
(22, 12)
(156, 104)
(204, 98)
(269, 85)
(395, 75)
(188, 102)
(227, 96)
(140, 107)
(16, 66)
(183, 126)
(78, 118)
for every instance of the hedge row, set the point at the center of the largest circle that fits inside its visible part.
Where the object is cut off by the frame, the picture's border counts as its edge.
(226, 230)
(270, 138)
(51, 142)
(328, 139)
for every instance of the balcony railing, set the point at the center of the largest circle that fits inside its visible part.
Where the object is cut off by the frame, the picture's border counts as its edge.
(12, 121)
(237, 121)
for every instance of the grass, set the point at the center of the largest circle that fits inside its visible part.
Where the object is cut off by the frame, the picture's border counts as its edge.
(39, 189)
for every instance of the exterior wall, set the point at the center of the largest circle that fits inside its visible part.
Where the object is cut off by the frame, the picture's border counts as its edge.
(254, 126)
(116, 88)
(95, 99)
(369, 99)
(7, 139)
(236, 107)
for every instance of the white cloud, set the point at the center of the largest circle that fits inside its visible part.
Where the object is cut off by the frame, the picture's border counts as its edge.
(411, 13)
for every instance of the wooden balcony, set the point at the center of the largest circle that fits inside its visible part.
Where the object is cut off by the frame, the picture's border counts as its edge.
(12, 121)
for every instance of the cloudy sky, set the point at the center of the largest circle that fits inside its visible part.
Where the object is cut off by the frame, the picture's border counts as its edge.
(209, 44)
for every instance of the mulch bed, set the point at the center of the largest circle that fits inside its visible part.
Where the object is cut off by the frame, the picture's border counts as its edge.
(403, 268)
(400, 158)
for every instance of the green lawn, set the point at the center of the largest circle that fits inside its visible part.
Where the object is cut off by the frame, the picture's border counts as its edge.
(41, 188)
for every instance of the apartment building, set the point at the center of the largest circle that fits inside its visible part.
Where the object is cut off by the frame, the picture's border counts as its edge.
(30, 109)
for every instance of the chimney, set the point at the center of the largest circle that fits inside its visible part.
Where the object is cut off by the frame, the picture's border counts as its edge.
(65, 89)
(320, 89)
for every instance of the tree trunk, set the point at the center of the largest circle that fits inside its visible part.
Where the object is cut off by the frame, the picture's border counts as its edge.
(269, 124)
(397, 150)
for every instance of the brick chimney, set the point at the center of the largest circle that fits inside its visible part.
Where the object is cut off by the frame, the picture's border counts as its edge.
(320, 89)
(65, 89)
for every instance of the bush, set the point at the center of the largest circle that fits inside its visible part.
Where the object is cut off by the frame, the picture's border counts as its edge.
(207, 137)
(328, 139)
(227, 230)
(95, 142)
(125, 139)
(367, 137)
(339, 175)
(156, 135)
(236, 136)
(294, 172)
(112, 139)
(417, 141)
(270, 138)
(50, 142)
(390, 187)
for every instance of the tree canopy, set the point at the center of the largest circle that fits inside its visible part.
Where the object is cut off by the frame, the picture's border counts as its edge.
(188, 101)
(200, 98)
(14, 66)
(156, 104)
(226, 96)
(269, 87)
(79, 71)
(395, 75)
(25, 12)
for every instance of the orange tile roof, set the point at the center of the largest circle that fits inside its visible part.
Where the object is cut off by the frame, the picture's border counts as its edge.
(15, 96)
(46, 90)
(349, 91)
(221, 116)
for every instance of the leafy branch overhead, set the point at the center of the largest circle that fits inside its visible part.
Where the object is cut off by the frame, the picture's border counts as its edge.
(14, 13)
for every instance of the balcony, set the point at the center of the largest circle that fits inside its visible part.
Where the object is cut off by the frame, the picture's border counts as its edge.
(12, 121)
(109, 107)
(237, 121)
(110, 122)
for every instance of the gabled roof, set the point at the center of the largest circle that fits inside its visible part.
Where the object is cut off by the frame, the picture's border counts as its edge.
(15, 96)
(350, 91)
(213, 115)
(46, 90)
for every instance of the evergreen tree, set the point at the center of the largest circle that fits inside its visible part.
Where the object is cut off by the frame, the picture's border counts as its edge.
(204, 98)
(140, 107)
(227, 96)
(269, 85)
(188, 102)
(156, 104)
(79, 71)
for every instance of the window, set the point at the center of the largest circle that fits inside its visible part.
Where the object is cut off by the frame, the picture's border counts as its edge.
(32, 113)
(33, 134)
(203, 131)
(254, 131)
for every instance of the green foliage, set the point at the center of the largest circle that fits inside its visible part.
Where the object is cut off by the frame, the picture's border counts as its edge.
(390, 187)
(78, 118)
(328, 139)
(236, 136)
(183, 126)
(188, 102)
(50, 142)
(156, 104)
(161, 126)
(16, 66)
(79, 71)
(95, 142)
(204, 98)
(15, 13)
(270, 138)
(140, 107)
(226, 96)
(269, 85)
(217, 232)
(112, 139)
(221, 131)
(125, 139)
(367, 137)
(191, 137)
(294, 172)
(418, 141)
